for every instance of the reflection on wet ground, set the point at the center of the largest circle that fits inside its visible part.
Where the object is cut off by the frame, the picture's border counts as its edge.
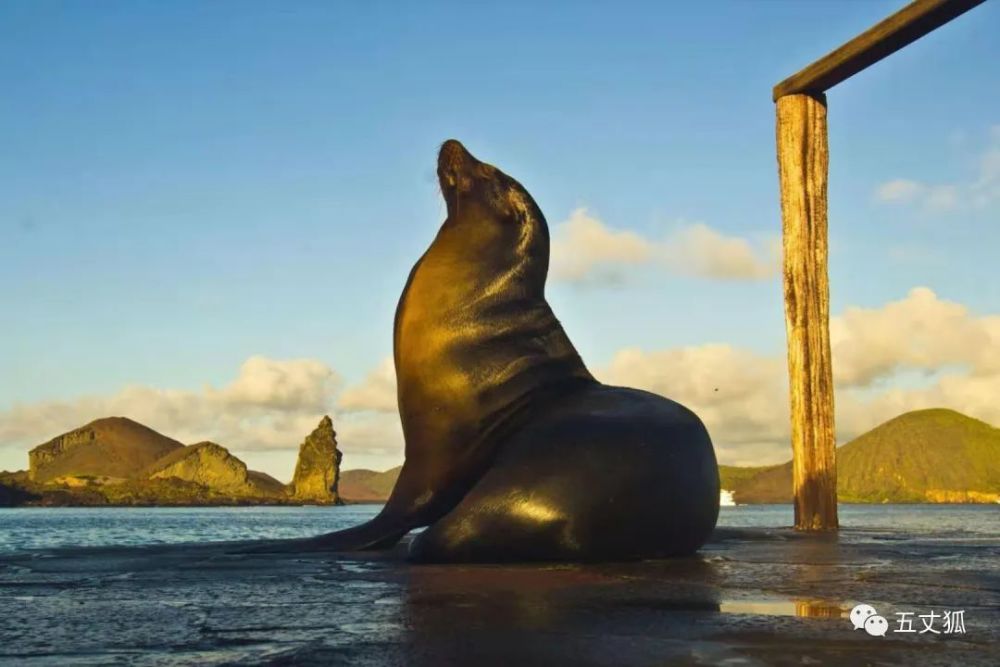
(751, 597)
(779, 607)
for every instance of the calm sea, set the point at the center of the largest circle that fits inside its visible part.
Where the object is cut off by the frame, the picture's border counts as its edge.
(41, 528)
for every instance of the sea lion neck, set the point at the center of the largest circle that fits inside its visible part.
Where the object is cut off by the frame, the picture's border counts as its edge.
(474, 333)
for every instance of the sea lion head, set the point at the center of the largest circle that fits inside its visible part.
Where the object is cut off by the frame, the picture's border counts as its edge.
(490, 205)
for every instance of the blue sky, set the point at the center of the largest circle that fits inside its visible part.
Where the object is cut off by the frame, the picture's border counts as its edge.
(187, 185)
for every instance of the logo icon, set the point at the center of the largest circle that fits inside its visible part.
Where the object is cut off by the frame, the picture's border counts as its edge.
(876, 626)
(860, 614)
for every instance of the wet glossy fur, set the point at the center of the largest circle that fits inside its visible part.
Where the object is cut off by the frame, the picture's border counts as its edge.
(513, 450)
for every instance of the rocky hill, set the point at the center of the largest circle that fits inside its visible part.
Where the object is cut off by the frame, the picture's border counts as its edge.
(114, 447)
(936, 456)
(213, 467)
(368, 486)
(924, 456)
(116, 461)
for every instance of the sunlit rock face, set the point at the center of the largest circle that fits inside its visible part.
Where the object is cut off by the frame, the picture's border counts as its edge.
(117, 461)
(112, 447)
(213, 467)
(318, 468)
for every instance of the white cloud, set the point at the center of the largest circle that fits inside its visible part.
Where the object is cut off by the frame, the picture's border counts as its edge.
(920, 332)
(979, 193)
(741, 395)
(911, 253)
(377, 392)
(584, 249)
(295, 385)
(583, 244)
(942, 198)
(700, 250)
(271, 405)
(986, 188)
(898, 190)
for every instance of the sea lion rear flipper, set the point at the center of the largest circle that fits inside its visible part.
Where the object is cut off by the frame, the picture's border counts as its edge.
(372, 535)
(379, 533)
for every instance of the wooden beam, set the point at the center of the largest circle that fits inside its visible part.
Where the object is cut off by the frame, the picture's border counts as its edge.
(907, 25)
(803, 162)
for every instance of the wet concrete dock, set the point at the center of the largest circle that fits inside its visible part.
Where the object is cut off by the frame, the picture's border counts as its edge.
(751, 597)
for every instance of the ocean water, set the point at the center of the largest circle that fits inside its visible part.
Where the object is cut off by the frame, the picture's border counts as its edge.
(43, 528)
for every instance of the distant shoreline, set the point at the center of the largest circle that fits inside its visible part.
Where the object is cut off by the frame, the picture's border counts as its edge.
(349, 503)
(342, 503)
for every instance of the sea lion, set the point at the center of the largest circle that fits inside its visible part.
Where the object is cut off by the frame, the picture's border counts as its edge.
(513, 450)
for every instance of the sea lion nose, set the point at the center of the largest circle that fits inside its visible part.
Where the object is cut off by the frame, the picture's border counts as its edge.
(453, 158)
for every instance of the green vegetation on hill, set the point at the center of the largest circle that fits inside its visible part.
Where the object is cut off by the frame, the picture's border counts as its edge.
(15, 489)
(934, 455)
(763, 484)
(927, 455)
(731, 476)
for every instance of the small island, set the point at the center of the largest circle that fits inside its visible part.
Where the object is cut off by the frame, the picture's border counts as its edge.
(924, 456)
(118, 461)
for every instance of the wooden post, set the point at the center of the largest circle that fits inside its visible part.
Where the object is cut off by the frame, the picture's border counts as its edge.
(802, 169)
